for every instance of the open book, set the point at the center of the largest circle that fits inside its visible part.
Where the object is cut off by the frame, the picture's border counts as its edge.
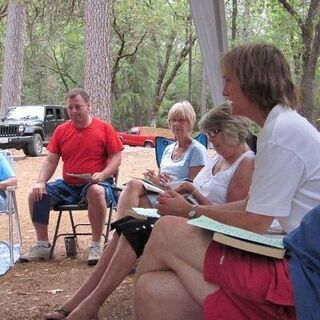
(241, 239)
(143, 213)
(149, 185)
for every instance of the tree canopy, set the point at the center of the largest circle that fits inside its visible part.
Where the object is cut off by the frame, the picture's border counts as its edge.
(155, 59)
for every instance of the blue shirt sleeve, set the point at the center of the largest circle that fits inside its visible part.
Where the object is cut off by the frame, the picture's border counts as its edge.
(198, 155)
(6, 171)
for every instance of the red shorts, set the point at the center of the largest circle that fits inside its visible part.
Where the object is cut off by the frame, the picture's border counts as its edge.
(251, 286)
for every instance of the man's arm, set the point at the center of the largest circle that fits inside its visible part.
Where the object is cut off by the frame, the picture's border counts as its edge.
(10, 182)
(111, 168)
(48, 168)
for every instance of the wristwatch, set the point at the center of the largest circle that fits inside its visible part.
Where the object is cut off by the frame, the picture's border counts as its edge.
(192, 212)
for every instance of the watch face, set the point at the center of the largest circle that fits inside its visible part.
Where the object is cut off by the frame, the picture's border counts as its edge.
(192, 213)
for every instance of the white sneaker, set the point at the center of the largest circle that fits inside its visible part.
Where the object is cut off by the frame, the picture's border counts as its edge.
(94, 254)
(37, 252)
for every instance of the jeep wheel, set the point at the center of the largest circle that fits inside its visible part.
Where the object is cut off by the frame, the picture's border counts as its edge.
(148, 144)
(26, 150)
(35, 147)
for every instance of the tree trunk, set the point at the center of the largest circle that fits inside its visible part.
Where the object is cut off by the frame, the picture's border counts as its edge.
(234, 20)
(190, 62)
(97, 81)
(310, 59)
(163, 82)
(310, 31)
(246, 17)
(308, 82)
(203, 93)
(13, 55)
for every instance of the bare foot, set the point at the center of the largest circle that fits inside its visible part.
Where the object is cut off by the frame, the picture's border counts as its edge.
(83, 313)
(57, 314)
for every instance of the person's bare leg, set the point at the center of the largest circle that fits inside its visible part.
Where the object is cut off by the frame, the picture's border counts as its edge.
(132, 196)
(92, 281)
(119, 267)
(178, 247)
(41, 229)
(161, 295)
(97, 209)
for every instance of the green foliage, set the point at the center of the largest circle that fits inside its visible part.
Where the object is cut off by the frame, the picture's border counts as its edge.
(54, 51)
(53, 59)
(137, 76)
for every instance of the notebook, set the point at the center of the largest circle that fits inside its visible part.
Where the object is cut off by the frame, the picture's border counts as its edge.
(241, 239)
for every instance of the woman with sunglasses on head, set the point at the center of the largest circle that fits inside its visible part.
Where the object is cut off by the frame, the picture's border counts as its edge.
(227, 175)
(225, 178)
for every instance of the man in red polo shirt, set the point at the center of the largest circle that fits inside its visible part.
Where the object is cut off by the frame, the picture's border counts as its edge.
(86, 145)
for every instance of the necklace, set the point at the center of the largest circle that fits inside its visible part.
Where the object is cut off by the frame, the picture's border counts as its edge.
(179, 151)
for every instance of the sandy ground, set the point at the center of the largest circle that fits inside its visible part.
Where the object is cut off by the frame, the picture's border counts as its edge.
(29, 290)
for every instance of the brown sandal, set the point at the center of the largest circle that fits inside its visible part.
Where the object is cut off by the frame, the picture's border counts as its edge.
(60, 311)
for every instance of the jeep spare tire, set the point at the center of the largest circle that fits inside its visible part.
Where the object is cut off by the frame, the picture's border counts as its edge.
(35, 147)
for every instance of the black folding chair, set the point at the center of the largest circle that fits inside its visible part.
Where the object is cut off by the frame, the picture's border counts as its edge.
(71, 209)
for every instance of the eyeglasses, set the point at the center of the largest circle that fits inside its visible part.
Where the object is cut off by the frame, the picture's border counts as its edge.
(177, 120)
(213, 133)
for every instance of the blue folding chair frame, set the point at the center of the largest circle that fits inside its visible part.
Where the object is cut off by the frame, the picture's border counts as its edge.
(14, 229)
(162, 143)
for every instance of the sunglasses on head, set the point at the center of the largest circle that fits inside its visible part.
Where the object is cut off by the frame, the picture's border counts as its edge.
(213, 133)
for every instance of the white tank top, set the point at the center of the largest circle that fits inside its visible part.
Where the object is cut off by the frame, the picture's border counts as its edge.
(215, 187)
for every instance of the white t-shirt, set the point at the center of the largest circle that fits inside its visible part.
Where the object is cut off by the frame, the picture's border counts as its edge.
(286, 179)
(215, 187)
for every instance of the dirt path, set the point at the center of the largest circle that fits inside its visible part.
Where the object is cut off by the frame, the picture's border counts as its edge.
(29, 290)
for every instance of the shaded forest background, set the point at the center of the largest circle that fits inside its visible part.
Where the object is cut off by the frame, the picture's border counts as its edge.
(153, 51)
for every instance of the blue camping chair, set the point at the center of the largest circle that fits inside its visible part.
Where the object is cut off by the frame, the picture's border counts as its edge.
(162, 143)
(252, 142)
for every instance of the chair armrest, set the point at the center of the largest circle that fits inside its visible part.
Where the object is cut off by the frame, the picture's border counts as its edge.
(11, 188)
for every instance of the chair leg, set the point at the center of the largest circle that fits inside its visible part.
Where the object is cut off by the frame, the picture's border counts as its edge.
(72, 224)
(108, 224)
(55, 237)
(16, 212)
(11, 246)
(11, 231)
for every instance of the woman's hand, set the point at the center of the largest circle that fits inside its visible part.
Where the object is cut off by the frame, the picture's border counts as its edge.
(158, 179)
(172, 203)
(150, 175)
(164, 178)
(184, 187)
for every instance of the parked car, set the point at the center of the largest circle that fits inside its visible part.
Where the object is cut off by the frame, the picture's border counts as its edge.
(143, 136)
(30, 127)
